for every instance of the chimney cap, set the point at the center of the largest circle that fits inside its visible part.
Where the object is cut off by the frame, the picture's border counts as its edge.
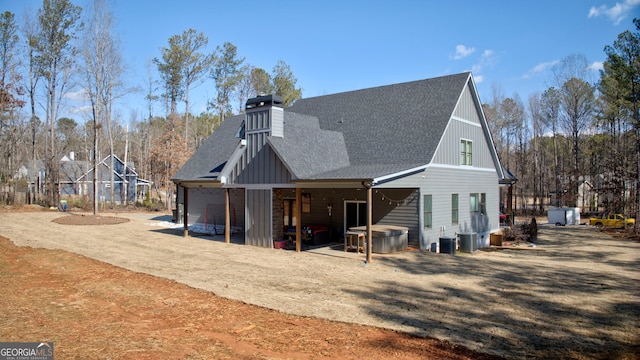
(265, 101)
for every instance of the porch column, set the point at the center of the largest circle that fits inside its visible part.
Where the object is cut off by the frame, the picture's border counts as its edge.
(185, 210)
(227, 217)
(369, 232)
(297, 214)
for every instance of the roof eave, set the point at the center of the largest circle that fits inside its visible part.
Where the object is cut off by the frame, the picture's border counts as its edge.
(232, 161)
(398, 175)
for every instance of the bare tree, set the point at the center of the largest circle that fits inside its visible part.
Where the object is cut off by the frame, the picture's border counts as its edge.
(31, 32)
(550, 113)
(104, 70)
(55, 56)
(577, 100)
(535, 112)
(10, 99)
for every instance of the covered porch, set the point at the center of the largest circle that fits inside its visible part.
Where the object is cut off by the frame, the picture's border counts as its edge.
(306, 216)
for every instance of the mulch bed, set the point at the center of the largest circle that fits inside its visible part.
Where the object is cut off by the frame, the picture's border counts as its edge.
(81, 219)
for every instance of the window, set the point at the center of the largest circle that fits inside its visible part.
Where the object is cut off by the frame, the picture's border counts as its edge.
(289, 212)
(483, 203)
(428, 212)
(474, 203)
(466, 151)
(241, 132)
(454, 209)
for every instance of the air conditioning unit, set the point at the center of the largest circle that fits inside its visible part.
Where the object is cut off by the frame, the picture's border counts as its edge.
(468, 242)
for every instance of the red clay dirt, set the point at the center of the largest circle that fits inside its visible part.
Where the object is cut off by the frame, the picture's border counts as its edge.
(91, 309)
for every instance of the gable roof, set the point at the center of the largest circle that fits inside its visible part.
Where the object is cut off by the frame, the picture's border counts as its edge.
(107, 165)
(388, 129)
(363, 134)
(207, 162)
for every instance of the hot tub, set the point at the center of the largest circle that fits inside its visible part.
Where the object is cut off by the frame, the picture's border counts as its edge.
(387, 238)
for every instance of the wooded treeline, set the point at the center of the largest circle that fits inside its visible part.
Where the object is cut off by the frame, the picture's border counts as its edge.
(577, 138)
(576, 143)
(64, 50)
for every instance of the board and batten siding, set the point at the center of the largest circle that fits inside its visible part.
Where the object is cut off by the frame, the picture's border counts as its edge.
(258, 220)
(264, 168)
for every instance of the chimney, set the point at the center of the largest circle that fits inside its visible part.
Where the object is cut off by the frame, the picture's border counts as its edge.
(265, 114)
(72, 156)
(264, 119)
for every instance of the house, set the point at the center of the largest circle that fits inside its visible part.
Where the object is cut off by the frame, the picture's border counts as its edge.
(76, 178)
(415, 155)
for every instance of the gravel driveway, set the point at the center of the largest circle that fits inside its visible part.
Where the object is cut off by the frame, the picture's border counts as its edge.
(578, 291)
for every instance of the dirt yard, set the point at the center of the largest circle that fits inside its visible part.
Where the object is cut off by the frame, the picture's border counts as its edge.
(141, 291)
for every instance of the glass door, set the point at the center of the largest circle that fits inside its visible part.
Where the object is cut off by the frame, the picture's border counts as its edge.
(355, 214)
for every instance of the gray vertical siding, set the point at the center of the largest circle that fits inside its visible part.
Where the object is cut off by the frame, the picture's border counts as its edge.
(265, 168)
(258, 218)
(259, 164)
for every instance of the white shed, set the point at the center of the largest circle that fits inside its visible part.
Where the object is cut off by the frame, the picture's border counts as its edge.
(564, 216)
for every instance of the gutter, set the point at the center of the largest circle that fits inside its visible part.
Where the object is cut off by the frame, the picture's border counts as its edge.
(383, 179)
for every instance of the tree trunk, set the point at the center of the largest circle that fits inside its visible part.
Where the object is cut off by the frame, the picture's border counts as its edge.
(125, 177)
(95, 166)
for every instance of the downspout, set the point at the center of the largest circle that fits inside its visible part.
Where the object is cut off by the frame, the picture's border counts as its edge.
(227, 217)
(298, 214)
(185, 211)
(369, 242)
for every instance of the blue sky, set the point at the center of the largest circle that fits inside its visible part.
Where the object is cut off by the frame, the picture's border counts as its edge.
(335, 46)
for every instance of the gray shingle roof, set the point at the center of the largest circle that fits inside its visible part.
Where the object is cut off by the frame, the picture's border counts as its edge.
(308, 150)
(360, 134)
(207, 162)
(389, 125)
